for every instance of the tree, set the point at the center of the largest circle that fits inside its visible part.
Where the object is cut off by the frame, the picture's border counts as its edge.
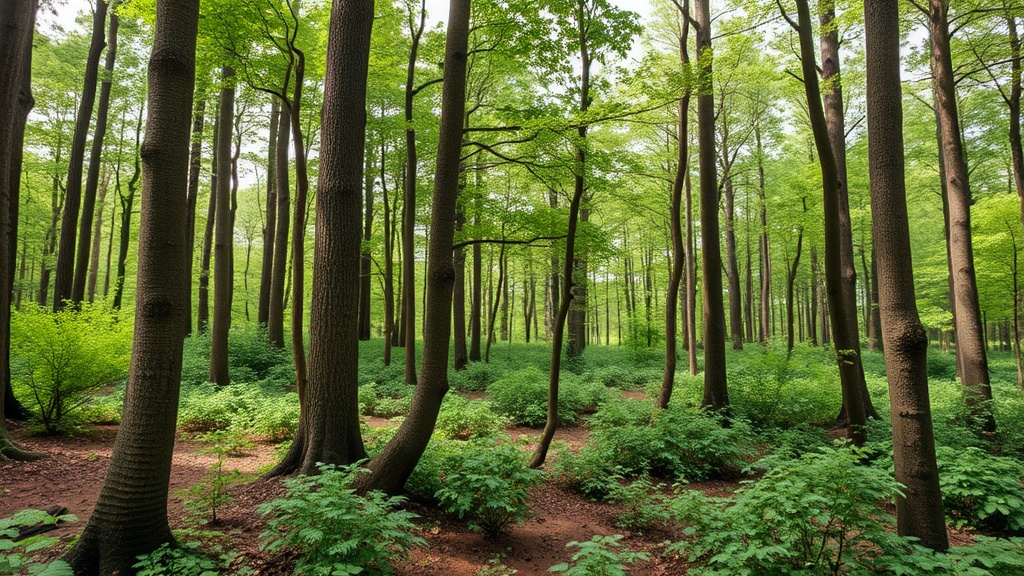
(224, 243)
(130, 517)
(919, 507)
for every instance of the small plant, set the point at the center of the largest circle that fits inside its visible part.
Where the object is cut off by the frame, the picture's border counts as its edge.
(495, 567)
(184, 559)
(488, 485)
(335, 529)
(981, 490)
(203, 499)
(14, 554)
(600, 556)
(643, 507)
(587, 471)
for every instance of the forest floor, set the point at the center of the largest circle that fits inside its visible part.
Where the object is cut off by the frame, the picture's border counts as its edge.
(72, 476)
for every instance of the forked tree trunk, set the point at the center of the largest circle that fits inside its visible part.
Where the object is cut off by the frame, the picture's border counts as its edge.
(716, 392)
(224, 245)
(130, 517)
(970, 339)
(919, 507)
(390, 469)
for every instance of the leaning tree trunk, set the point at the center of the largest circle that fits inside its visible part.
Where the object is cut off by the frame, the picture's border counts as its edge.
(970, 338)
(919, 507)
(390, 469)
(224, 245)
(676, 216)
(93, 175)
(130, 517)
(847, 352)
(716, 393)
(73, 190)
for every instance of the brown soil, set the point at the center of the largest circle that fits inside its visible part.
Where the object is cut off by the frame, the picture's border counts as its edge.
(72, 476)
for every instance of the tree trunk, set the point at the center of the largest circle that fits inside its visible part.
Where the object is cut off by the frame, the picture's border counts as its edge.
(127, 203)
(790, 282)
(731, 265)
(195, 164)
(969, 337)
(389, 262)
(203, 312)
(224, 262)
(1013, 102)
(366, 260)
(130, 517)
(919, 507)
(716, 393)
(270, 223)
(93, 176)
(97, 240)
(275, 312)
(847, 352)
(459, 298)
(476, 311)
(392, 467)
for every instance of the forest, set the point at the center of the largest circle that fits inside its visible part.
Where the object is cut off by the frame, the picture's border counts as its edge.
(496, 287)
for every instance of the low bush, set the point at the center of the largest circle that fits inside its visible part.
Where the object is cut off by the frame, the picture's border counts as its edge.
(475, 377)
(599, 556)
(587, 471)
(981, 490)
(334, 529)
(643, 505)
(463, 419)
(523, 396)
(254, 409)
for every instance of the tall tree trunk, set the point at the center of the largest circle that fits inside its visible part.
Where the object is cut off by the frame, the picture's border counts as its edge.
(270, 221)
(790, 282)
(389, 261)
(732, 270)
(762, 243)
(919, 507)
(203, 312)
(459, 297)
(97, 240)
(1013, 103)
(476, 311)
(93, 176)
(847, 352)
(392, 467)
(498, 299)
(578, 312)
(676, 219)
(716, 393)
(366, 260)
(970, 341)
(836, 124)
(275, 313)
(73, 191)
(195, 163)
(224, 245)
(130, 517)
(127, 204)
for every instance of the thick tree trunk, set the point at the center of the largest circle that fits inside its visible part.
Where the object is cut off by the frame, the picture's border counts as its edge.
(130, 517)
(282, 195)
(395, 463)
(847, 352)
(919, 508)
(716, 392)
(195, 163)
(270, 211)
(93, 176)
(224, 245)
(970, 341)
(73, 191)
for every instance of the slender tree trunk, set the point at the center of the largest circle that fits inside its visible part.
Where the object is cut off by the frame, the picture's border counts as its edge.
(459, 297)
(969, 337)
(203, 313)
(493, 311)
(1013, 103)
(224, 262)
(195, 163)
(389, 262)
(130, 517)
(270, 223)
(366, 261)
(919, 507)
(847, 352)
(762, 243)
(127, 205)
(97, 240)
(275, 313)
(731, 266)
(790, 282)
(476, 311)
(578, 313)
(93, 176)
(73, 192)
(409, 204)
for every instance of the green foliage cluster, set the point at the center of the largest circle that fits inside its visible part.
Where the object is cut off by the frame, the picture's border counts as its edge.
(981, 490)
(643, 505)
(59, 361)
(15, 556)
(773, 389)
(261, 410)
(336, 530)
(464, 419)
(251, 358)
(184, 559)
(599, 556)
(386, 399)
(523, 396)
(202, 500)
(475, 377)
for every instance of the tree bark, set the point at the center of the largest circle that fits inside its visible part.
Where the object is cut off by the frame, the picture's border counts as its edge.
(270, 222)
(224, 245)
(282, 195)
(97, 240)
(130, 517)
(716, 393)
(919, 510)
(195, 163)
(970, 340)
(790, 282)
(73, 191)
(366, 261)
(93, 175)
(203, 312)
(476, 309)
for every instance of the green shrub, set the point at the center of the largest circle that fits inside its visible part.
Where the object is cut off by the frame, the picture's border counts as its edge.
(182, 560)
(251, 358)
(818, 514)
(599, 556)
(523, 397)
(14, 557)
(773, 389)
(475, 377)
(254, 409)
(643, 506)
(334, 529)
(981, 490)
(60, 361)
(587, 471)
(488, 485)
(462, 419)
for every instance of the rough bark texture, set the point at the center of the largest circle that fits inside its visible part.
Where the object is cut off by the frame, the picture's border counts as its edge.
(970, 338)
(332, 405)
(675, 215)
(92, 178)
(716, 393)
(224, 244)
(847, 352)
(392, 467)
(919, 511)
(130, 517)
(73, 191)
